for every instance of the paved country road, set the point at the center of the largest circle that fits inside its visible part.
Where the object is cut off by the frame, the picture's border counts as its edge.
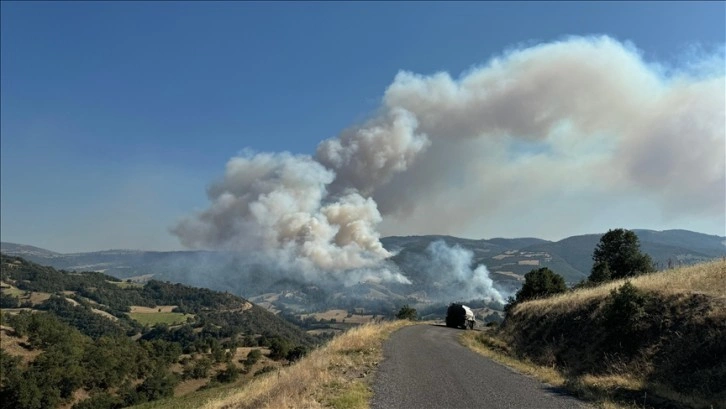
(424, 366)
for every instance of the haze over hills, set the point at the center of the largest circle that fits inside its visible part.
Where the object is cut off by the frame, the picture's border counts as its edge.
(506, 260)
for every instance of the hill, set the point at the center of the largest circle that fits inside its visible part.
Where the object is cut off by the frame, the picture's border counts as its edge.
(333, 376)
(659, 339)
(91, 340)
(507, 260)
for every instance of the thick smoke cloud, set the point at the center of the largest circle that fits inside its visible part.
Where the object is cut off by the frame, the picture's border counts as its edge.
(449, 269)
(276, 205)
(584, 118)
(579, 121)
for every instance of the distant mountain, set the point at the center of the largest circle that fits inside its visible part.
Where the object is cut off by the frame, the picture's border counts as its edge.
(25, 250)
(507, 260)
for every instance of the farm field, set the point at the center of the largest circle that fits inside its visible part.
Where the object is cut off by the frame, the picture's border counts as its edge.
(161, 314)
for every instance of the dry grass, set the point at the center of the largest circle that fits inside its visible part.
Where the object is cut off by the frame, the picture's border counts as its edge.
(494, 348)
(16, 346)
(105, 314)
(38, 297)
(332, 376)
(706, 278)
(564, 341)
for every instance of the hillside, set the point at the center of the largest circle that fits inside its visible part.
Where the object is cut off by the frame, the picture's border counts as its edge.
(336, 375)
(507, 260)
(86, 338)
(659, 339)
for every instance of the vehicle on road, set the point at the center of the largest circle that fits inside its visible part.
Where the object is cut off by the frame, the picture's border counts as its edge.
(460, 316)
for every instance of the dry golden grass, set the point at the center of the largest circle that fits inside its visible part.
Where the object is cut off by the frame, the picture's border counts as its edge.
(334, 375)
(706, 278)
(38, 297)
(15, 346)
(105, 314)
(612, 384)
(497, 350)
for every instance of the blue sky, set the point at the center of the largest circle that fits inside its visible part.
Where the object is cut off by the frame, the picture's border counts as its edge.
(117, 116)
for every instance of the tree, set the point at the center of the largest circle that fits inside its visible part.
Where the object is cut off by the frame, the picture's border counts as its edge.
(600, 273)
(252, 357)
(279, 348)
(619, 253)
(541, 282)
(407, 313)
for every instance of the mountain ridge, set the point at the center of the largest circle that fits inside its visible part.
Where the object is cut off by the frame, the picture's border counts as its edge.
(506, 259)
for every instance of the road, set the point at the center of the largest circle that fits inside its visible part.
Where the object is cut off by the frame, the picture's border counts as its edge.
(424, 366)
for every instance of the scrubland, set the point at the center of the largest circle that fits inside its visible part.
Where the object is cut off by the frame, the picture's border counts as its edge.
(657, 340)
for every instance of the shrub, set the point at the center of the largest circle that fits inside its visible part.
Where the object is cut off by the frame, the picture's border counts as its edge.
(264, 370)
(279, 348)
(541, 282)
(228, 375)
(625, 316)
(407, 313)
(252, 357)
(296, 353)
(8, 301)
(159, 384)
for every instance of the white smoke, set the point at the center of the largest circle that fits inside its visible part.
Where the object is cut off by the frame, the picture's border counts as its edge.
(571, 122)
(583, 118)
(276, 205)
(450, 269)
(367, 157)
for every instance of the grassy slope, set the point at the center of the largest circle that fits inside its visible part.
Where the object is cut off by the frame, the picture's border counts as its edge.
(335, 375)
(673, 351)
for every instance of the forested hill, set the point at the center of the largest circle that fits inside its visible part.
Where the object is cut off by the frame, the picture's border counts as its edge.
(91, 340)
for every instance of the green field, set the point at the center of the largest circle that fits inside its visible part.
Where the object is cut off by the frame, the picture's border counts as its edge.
(160, 318)
(15, 292)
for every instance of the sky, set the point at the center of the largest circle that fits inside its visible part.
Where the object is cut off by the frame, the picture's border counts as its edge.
(121, 121)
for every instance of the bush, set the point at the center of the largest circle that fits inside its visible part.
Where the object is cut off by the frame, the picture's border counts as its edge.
(625, 316)
(296, 353)
(8, 301)
(159, 384)
(407, 313)
(264, 370)
(252, 357)
(228, 375)
(538, 283)
(199, 369)
(279, 348)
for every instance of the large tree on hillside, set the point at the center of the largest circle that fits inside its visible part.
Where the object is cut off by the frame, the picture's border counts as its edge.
(618, 255)
(541, 282)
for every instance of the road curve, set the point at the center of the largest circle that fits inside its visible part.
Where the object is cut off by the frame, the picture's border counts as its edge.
(424, 366)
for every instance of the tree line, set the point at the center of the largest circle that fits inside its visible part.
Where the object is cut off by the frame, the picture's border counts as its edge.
(617, 255)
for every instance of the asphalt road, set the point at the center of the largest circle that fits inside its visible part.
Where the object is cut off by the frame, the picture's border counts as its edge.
(424, 366)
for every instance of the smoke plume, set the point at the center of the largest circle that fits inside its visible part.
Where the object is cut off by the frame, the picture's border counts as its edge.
(449, 269)
(553, 130)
